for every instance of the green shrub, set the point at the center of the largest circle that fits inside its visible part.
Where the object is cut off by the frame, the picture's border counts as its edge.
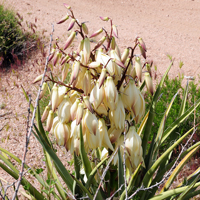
(170, 87)
(13, 40)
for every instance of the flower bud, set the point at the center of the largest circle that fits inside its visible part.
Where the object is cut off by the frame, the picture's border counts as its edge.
(56, 58)
(104, 134)
(101, 110)
(96, 33)
(70, 40)
(73, 96)
(111, 93)
(117, 51)
(104, 18)
(148, 82)
(114, 134)
(49, 120)
(87, 82)
(113, 44)
(85, 28)
(37, 79)
(94, 65)
(65, 59)
(88, 104)
(65, 71)
(66, 17)
(73, 109)
(115, 31)
(117, 116)
(54, 97)
(91, 122)
(133, 145)
(100, 42)
(141, 42)
(80, 47)
(43, 90)
(102, 77)
(138, 68)
(62, 133)
(45, 113)
(79, 113)
(71, 24)
(97, 95)
(61, 93)
(52, 54)
(64, 110)
(134, 101)
(125, 55)
(86, 50)
(67, 6)
(142, 51)
(75, 71)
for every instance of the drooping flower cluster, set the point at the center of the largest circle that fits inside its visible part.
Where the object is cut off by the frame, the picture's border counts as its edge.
(102, 92)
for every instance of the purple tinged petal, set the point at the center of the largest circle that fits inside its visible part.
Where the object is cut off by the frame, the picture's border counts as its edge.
(96, 33)
(71, 24)
(70, 40)
(115, 31)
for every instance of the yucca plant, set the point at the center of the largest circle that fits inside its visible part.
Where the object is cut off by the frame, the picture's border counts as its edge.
(99, 117)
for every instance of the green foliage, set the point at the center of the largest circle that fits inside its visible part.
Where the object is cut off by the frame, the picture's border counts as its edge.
(170, 87)
(14, 41)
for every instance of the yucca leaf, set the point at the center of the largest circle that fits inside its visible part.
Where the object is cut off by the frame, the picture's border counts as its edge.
(120, 172)
(94, 171)
(84, 158)
(142, 125)
(76, 189)
(33, 191)
(184, 100)
(191, 194)
(162, 126)
(149, 122)
(58, 184)
(40, 126)
(131, 184)
(31, 171)
(58, 164)
(191, 177)
(177, 169)
(188, 190)
(170, 129)
(170, 193)
(149, 175)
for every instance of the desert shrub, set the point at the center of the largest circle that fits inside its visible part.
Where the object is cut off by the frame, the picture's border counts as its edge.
(14, 39)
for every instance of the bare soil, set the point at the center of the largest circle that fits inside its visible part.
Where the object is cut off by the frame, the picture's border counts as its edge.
(167, 27)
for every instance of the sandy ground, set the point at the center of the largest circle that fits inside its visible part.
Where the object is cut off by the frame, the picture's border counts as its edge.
(167, 27)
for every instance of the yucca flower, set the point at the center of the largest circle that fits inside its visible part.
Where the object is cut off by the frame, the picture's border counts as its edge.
(49, 120)
(62, 133)
(138, 68)
(133, 101)
(111, 94)
(97, 95)
(104, 134)
(133, 145)
(64, 110)
(117, 116)
(73, 109)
